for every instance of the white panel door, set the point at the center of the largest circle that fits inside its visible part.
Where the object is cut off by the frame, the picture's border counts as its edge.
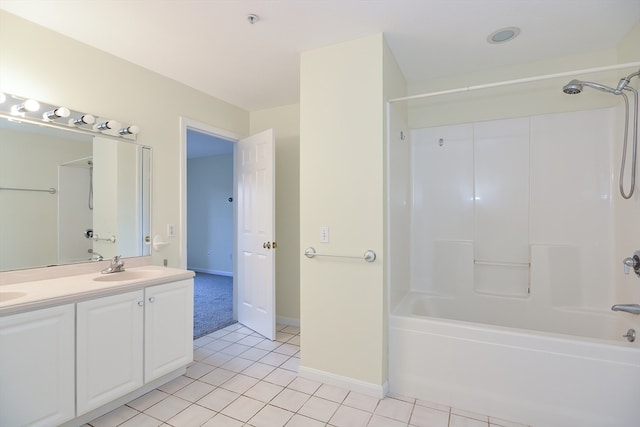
(254, 165)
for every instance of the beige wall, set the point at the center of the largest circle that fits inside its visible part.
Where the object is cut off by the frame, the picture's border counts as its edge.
(55, 69)
(286, 124)
(342, 123)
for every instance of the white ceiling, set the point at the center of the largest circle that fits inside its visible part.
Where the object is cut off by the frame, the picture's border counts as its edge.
(210, 45)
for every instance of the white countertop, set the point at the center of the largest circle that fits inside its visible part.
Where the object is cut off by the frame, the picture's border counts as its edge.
(70, 289)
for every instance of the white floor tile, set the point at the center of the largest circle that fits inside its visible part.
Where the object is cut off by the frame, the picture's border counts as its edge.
(197, 370)
(346, 416)
(167, 408)
(292, 364)
(250, 341)
(194, 391)
(176, 384)
(243, 408)
(235, 349)
(433, 405)
(497, 422)
(429, 417)
(259, 370)
(361, 401)
(147, 400)
(141, 420)
(469, 414)
(290, 400)
(460, 421)
(271, 416)
(240, 383)
(268, 345)
(223, 421)
(115, 417)
(302, 421)
(218, 399)
(378, 421)
(217, 377)
(281, 377)
(193, 416)
(237, 364)
(274, 359)
(287, 349)
(217, 359)
(264, 391)
(254, 354)
(395, 409)
(331, 392)
(304, 385)
(319, 409)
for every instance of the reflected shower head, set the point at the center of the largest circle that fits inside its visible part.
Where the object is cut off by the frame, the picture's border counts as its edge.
(575, 86)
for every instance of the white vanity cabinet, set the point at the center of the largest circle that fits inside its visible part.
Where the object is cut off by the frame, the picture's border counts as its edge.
(129, 339)
(109, 348)
(37, 364)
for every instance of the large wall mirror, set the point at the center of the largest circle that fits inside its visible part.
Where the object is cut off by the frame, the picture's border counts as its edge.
(68, 197)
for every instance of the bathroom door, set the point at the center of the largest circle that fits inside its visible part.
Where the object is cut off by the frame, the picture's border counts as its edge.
(254, 160)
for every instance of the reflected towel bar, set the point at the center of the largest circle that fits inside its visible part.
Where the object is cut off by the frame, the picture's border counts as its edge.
(50, 190)
(368, 256)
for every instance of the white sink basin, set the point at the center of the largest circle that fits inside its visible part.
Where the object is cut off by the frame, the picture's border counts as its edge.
(128, 275)
(9, 295)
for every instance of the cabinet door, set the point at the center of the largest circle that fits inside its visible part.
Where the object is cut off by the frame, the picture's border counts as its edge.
(37, 367)
(168, 328)
(109, 348)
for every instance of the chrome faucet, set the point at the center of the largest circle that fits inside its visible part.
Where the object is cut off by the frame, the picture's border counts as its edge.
(117, 265)
(627, 308)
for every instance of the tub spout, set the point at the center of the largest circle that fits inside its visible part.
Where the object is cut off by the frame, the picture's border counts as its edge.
(628, 308)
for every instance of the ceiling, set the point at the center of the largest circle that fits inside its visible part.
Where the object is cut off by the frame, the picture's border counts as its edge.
(211, 46)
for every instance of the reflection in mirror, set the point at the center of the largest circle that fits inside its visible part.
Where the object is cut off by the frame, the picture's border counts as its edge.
(68, 197)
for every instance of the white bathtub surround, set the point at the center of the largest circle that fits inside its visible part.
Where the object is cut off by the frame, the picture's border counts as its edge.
(542, 378)
(516, 244)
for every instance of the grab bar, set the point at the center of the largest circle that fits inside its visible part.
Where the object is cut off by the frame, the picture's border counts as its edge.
(502, 264)
(50, 190)
(368, 256)
(627, 308)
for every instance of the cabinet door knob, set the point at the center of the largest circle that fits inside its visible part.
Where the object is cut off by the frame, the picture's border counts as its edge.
(152, 299)
(140, 303)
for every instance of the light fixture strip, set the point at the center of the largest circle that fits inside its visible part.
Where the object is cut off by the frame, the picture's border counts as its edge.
(26, 110)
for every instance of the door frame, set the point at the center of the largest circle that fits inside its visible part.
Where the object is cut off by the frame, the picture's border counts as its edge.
(186, 123)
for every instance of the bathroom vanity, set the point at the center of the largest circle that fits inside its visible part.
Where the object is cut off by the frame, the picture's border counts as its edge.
(73, 348)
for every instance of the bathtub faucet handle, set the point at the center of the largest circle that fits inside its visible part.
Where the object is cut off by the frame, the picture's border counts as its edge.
(632, 263)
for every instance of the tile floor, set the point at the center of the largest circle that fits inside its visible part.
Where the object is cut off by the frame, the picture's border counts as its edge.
(240, 379)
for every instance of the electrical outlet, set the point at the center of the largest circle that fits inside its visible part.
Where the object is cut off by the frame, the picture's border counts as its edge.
(324, 234)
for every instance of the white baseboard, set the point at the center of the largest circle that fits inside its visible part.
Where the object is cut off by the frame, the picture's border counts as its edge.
(209, 271)
(376, 390)
(291, 321)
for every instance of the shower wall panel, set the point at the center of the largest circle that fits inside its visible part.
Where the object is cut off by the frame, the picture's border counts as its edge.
(505, 188)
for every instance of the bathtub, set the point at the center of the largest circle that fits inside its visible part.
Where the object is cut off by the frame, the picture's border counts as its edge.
(459, 354)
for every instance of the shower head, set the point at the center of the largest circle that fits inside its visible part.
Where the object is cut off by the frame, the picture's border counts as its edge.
(572, 88)
(576, 86)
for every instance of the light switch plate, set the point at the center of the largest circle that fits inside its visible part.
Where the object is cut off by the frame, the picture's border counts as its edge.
(324, 234)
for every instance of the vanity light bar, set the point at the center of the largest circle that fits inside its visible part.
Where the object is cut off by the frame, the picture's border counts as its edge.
(18, 108)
